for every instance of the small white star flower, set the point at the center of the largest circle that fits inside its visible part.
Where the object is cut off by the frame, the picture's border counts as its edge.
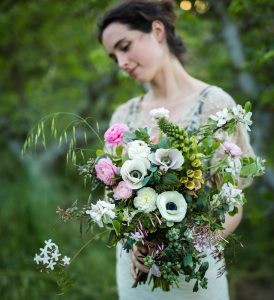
(51, 265)
(55, 255)
(66, 260)
(49, 244)
(37, 258)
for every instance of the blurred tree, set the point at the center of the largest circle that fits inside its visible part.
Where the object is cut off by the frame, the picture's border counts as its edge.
(50, 61)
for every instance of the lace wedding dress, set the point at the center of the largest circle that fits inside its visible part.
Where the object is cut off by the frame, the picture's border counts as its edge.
(211, 100)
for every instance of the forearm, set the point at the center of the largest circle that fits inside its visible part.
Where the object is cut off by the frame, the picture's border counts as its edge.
(232, 222)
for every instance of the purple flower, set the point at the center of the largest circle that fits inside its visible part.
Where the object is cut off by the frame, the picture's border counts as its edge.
(231, 149)
(106, 171)
(114, 135)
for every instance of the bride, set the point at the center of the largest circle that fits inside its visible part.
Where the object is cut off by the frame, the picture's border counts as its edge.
(139, 35)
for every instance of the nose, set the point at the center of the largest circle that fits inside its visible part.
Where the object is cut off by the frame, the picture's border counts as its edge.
(122, 61)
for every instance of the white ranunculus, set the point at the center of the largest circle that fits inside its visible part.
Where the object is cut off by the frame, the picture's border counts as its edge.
(146, 199)
(138, 149)
(172, 206)
(167, 158)
(134, 171)
(158, 113)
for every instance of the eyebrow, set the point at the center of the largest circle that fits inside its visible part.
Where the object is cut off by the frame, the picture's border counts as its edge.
(116, 45)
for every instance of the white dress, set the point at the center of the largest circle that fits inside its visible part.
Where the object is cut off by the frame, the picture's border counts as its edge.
(208, 102)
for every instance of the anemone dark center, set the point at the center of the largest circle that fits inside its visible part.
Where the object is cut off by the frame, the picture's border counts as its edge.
(171, 206)
(166, 160)
(136, 174)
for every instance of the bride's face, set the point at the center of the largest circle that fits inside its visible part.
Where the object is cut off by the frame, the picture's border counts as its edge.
(140, 54)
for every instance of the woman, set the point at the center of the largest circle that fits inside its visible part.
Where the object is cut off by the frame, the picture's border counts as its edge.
(140, 36)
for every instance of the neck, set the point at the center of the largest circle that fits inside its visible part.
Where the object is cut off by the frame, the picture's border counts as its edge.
(171, 82)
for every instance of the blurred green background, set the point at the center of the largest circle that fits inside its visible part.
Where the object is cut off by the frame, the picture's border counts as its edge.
(50, 61)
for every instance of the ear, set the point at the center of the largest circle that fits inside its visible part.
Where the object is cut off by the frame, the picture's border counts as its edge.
(158, 30)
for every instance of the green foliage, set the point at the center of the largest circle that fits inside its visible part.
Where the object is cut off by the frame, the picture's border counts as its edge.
(50, 61)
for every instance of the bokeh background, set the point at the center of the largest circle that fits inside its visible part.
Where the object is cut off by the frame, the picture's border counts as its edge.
(50, 61)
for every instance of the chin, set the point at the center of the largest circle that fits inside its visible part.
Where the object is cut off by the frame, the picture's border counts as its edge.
(143, 80)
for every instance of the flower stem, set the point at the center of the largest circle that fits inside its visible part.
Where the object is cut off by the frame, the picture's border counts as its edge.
(84, 246)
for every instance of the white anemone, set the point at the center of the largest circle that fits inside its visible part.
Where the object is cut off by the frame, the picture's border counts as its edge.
(134, 171)
(172, 206)
(167, 158)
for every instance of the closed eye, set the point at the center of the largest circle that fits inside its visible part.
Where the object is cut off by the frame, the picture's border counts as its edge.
(125, 48)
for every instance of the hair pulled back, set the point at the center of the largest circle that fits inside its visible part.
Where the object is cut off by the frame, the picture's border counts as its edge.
(139, 15)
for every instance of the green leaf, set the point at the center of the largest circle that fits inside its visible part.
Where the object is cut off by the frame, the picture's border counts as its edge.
(247, 106)
(119, 150)
(248, 170)
(203, 268)
(228, 178)
(146, 180)
(129, 136)
(125, 158)
(188, 261)
(142, 134)
(153, 169)
(234, 212)
(170, 179)
(196, 287)
(116, 226)
(100, 152)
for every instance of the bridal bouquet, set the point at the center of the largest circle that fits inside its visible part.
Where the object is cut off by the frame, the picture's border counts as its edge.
(169, 193)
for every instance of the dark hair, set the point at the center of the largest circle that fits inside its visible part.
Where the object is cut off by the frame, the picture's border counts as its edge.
(139, 15)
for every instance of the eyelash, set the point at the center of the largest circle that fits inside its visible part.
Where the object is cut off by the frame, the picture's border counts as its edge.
(125, 48)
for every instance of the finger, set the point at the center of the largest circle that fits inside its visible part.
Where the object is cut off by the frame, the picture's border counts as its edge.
(133, 270)
(143, 249)
(140, 249)
(138, 256)
(139, 265)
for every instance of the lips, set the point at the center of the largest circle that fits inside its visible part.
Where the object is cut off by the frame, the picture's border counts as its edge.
(131, 71)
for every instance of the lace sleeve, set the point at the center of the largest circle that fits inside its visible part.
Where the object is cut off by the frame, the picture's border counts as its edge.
(217, 100)
(119, 115)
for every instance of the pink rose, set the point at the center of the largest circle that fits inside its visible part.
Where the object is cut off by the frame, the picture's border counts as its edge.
(231, 149)
(122, 191)
(106, 171)
(114, 135)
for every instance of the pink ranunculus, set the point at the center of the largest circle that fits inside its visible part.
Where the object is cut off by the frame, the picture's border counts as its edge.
(106, 171)
(122, 191)
(232, 149)
(114, 135)
(155, 140)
